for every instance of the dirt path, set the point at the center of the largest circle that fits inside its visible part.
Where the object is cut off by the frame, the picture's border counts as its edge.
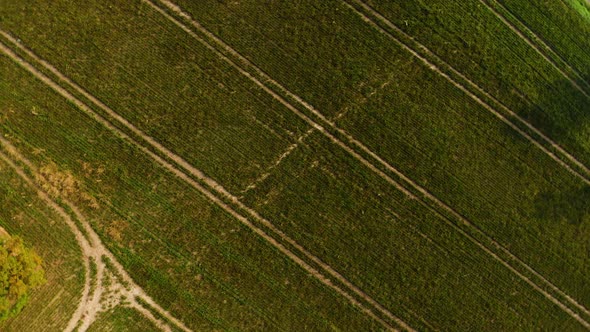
(209, 182)
(472, 229)
(536, 39)
(90, 305)
(87, 251)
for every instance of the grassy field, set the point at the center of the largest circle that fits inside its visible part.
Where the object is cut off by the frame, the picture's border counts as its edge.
(183, 96)
(565, 17)
(392, 195)
(414, 122)
(122, 319)
(187, 253)
(22, 213)
(321, 54)
(506, 68)
(437, 135)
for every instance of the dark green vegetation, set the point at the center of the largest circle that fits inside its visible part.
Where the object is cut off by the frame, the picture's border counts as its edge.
(562, 24)
(495, 58)
(212, 272)
(21, 271)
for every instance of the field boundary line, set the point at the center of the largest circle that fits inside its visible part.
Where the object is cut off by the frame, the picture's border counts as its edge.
(356, 155)
(300, 140)
(585, 177)
(533, 38)
(207, 181)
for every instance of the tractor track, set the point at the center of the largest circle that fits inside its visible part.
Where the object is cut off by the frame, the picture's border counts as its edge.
(360, 299)
(90, 304)
(473, 233)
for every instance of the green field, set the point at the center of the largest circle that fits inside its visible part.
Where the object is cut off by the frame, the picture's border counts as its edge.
(23, 213)
(302, 166)
(122, 319)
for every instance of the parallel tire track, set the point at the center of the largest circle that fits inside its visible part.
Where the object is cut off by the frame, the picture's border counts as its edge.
(435, 68)
(536, 43)
(206, 180)
(91, 249)
(582, 172)
(505, 251)
(473, 232)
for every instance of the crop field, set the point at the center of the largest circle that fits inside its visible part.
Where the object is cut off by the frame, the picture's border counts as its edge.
(122, 319)
(22, 213)
(338, 165)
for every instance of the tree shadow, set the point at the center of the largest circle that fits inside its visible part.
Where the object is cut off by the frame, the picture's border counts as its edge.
(563, 114)
(559, 206)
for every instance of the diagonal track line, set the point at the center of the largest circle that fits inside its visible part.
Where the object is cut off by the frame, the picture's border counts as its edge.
(533, 40)
(266, 89)
(488, 107)
(91, 249)
(84, 244)
(464, 222)
(584, 175)
(208, 181)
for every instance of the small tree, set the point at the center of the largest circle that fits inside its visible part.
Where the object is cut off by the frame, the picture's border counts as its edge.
(20, 270)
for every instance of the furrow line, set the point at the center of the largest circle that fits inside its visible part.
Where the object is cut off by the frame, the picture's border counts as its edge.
(208, 181)
(531, 42)
(276, 163)
(370, 11)
(241, 59)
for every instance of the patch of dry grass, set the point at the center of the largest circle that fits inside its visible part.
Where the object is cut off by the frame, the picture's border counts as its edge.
(62, 183)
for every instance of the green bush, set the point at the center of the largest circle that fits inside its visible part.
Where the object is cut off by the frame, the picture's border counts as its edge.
(20, 270)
